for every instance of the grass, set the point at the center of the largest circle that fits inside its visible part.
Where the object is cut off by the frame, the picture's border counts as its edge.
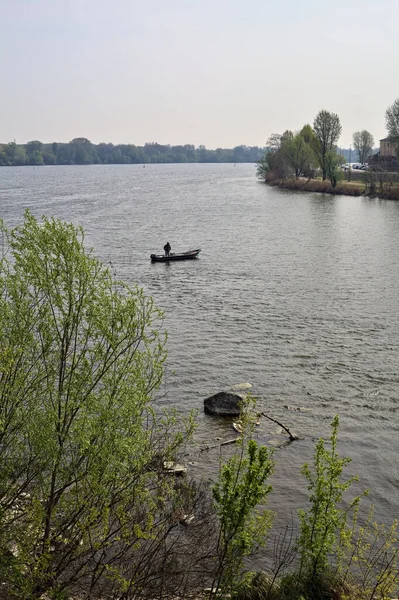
(344, 188)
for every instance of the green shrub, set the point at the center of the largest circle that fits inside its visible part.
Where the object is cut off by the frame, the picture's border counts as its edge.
(325, 520)
(240, 489)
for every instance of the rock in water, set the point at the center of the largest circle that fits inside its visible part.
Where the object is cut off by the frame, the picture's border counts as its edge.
(237, 427)
(224, 404)
(239, 387)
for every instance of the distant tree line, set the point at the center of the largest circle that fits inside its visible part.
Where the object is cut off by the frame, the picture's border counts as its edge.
(80, 151)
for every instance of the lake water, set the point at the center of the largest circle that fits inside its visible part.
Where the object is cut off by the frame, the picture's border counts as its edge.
(295, 293)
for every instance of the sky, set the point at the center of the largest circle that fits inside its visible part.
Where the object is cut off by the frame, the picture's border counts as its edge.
(214, 72)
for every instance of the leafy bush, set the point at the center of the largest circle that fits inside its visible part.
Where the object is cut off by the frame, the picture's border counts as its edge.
(239, 490)
(82, 485)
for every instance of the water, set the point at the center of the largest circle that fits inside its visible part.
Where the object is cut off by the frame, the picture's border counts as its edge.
(296, 293)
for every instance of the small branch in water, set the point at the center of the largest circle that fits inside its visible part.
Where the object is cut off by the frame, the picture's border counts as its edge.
(292, 436)
(219, 445)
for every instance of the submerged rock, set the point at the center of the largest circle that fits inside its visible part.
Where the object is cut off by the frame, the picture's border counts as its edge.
(297, 408)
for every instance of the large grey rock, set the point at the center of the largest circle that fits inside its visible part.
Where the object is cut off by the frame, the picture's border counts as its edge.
(224, 404)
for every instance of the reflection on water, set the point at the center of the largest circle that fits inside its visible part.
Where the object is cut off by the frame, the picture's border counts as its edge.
(296, 293)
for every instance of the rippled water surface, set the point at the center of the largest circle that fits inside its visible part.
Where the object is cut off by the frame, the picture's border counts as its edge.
(295, 293)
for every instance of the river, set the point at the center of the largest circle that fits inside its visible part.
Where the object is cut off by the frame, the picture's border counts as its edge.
(296, 293)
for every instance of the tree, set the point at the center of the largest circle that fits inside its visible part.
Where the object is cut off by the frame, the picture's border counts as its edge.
(263, 166)
(34, 151)
(392, 123)
(82, 486)
(274, 163)
(333, 162)
(82, 150)
(308, 134)
(33, 146)
(11, 150)
(36, 158)
(327, 128)
(274, 141)
(363, 143)
(300, 155)
(20, 157)
(48, 156)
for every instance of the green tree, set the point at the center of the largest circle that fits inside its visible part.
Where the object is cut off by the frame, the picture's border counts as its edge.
(48, 156)
(81, 151)
(81, 448)
(327, 128)
(20, 158)
(263, 166)
(34, 152)
(333, 163)
(308, 134)
(3, 158)
(33, 146)
(300, 155)
(392, 123)
(363, 143)
(16, 155)
(275, 164)
(36, 158)
(11, 150)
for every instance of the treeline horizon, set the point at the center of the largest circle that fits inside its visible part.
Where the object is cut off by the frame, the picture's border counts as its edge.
(80, 151)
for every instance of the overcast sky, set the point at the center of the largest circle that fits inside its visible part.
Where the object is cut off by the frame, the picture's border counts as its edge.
(213, 72)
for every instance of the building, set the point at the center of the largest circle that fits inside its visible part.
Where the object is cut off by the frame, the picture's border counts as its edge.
(385, 159)
(387, 148)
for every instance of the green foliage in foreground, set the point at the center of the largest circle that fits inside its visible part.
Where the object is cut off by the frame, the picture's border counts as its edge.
(81, 356)
(339, 558)
(240, 489)
(325, 520)
(86, 507)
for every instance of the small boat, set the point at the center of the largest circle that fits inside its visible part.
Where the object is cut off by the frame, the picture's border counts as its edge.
(175, 256)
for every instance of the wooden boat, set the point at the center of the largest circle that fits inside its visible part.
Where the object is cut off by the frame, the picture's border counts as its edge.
(175, 256)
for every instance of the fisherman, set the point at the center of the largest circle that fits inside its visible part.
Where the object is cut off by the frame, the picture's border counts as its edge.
(167, 248)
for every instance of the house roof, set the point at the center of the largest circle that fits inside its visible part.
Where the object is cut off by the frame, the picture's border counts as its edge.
(387, 139)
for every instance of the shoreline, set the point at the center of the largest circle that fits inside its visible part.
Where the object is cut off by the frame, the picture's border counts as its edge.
(353, 188)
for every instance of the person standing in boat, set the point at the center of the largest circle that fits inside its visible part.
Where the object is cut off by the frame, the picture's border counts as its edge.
(167, 248)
